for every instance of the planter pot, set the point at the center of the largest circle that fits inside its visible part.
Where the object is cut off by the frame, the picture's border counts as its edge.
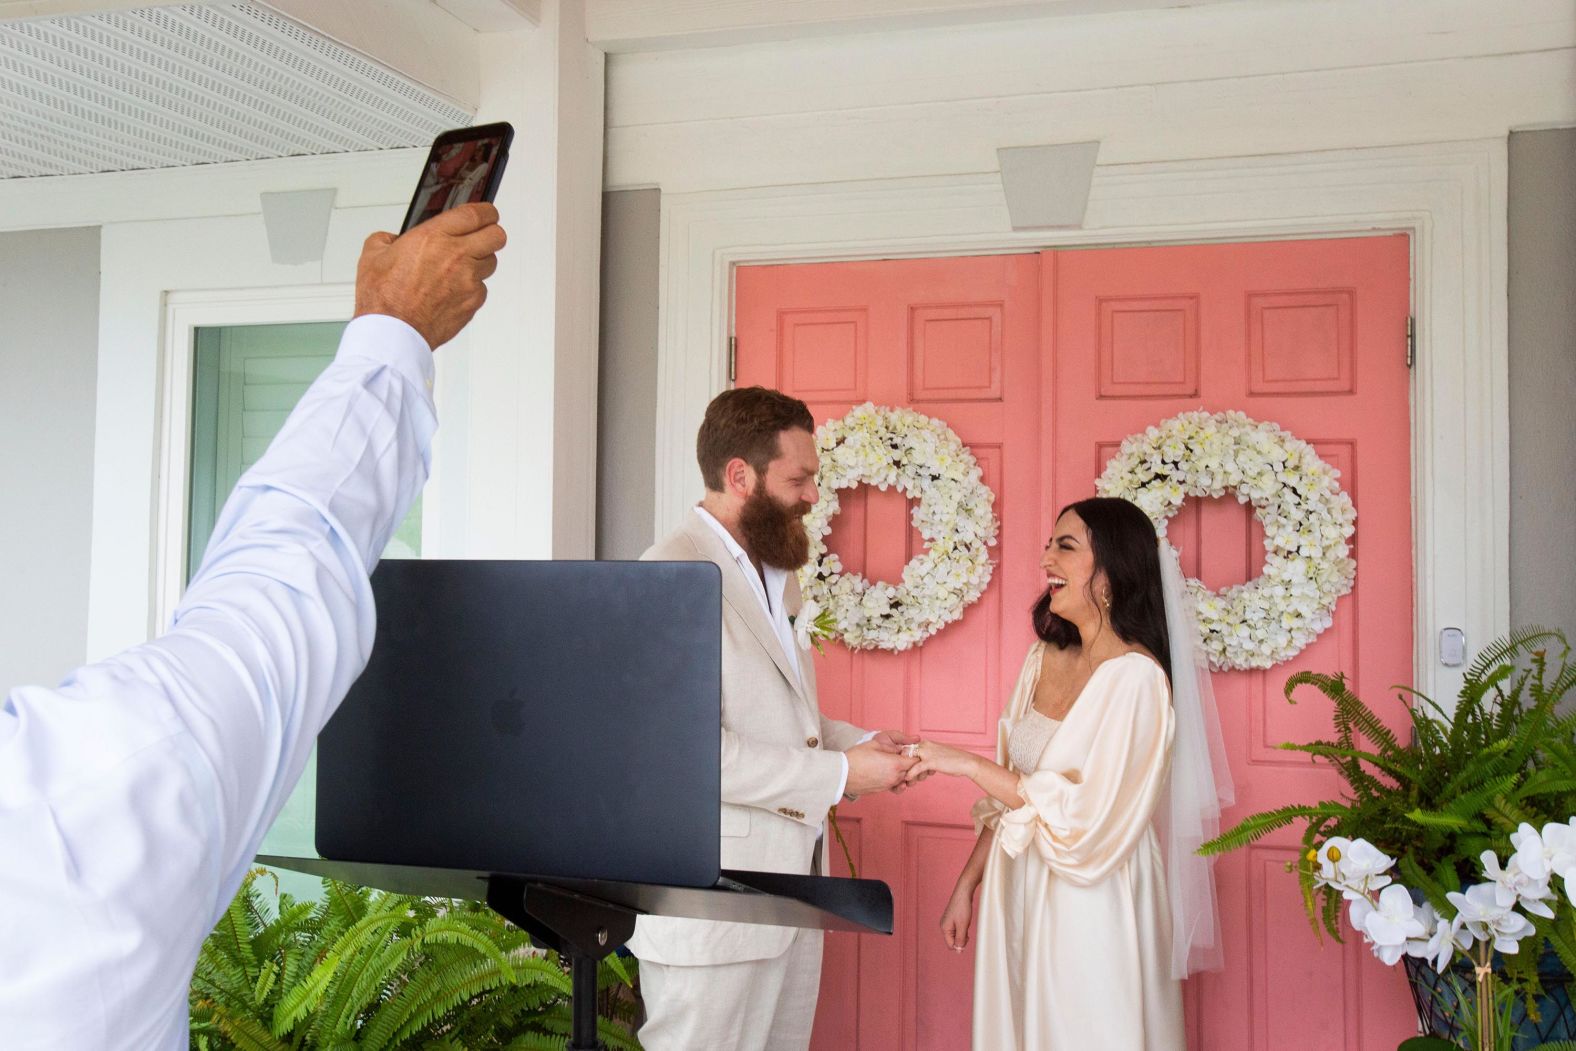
(1439, 999)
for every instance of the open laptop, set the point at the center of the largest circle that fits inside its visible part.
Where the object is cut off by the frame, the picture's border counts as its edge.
(555, 719)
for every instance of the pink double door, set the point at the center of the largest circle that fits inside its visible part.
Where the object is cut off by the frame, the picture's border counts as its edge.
(1042, 364)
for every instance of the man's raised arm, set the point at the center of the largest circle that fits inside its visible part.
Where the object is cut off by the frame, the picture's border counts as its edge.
(133, 796)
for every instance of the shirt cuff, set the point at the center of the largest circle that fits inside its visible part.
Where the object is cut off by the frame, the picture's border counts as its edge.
(842, 786)
(383, 340)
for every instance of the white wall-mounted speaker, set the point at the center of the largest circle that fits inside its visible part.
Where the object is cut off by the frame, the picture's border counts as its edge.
(1047, 186)
(297, 223)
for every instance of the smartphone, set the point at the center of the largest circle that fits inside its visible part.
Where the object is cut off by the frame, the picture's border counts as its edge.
(463, 166)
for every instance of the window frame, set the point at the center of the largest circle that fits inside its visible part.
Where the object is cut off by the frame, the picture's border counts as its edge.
(184, 313)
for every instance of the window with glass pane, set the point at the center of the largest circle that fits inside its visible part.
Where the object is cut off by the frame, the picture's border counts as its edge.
(247, 379)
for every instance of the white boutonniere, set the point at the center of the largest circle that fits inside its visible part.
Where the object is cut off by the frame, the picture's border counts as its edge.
(812, 624)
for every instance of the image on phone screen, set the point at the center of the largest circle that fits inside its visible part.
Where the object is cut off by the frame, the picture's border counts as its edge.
(458, 171)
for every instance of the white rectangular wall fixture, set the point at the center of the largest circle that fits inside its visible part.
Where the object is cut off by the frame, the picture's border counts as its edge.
(1047, 187)
(297, 223)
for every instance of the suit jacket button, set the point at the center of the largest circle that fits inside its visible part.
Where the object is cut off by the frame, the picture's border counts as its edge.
(813, 742)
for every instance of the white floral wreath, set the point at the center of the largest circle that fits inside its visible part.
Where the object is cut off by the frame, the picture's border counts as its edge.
(922, 458)
(1307, 521)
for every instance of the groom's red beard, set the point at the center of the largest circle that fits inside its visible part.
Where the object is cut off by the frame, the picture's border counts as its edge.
(773, 533)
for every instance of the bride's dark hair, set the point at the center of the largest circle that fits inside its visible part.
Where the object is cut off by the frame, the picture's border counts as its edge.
(1125, 548)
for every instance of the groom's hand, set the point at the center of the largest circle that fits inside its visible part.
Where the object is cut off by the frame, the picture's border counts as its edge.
(892, 740)
(873, 768)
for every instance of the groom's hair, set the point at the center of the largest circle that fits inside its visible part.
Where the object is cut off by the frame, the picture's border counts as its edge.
(744, 423)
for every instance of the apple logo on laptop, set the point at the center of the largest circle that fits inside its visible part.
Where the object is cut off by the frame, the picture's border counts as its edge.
(508, 714)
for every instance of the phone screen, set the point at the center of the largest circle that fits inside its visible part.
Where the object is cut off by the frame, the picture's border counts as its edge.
(464, 165)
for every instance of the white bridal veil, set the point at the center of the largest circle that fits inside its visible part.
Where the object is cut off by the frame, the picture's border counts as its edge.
(1200, 785)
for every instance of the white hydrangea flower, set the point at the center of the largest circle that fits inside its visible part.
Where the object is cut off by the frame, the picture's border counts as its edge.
(1307, 522)
(923, 459)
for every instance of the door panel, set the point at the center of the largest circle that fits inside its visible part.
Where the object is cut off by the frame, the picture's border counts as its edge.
(1309, 335)
(1042, 364)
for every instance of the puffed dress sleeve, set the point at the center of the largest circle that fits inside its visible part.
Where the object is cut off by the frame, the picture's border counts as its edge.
(1085, 821)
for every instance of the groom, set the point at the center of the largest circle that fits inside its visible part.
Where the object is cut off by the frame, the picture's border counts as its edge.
(733, 986)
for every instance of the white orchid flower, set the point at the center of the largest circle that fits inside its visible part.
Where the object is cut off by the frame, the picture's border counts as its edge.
(1559, 846)
(1355, 867)
(1331, 858)
(1547, 854)
(1513, 883)
(1481, 914)
(1389, 925)
(1442, 941)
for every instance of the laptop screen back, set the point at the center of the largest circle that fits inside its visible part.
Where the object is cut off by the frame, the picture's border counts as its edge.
(556, 719)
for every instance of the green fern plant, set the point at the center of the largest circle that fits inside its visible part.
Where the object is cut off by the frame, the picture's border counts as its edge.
(364, 970)
(1462, 782)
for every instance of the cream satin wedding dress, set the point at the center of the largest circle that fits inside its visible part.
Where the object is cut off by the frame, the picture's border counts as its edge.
(1073, 931)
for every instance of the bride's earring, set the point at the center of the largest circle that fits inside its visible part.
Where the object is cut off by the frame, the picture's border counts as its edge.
(1105, 600)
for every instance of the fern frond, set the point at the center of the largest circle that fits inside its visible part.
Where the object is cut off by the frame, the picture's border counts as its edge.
(244, 1031)
(1400, 771)
(1507, 648)
(1259, 825)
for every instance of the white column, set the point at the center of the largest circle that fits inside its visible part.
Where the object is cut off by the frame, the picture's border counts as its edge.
(526, 372)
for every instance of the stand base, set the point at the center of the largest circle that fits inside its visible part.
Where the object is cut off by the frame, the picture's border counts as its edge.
(581, 930)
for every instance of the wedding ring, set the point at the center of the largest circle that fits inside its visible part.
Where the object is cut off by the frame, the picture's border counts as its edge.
(911, 750)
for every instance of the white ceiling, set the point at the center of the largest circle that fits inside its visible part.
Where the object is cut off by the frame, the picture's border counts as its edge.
(195, 84)
(108, 85)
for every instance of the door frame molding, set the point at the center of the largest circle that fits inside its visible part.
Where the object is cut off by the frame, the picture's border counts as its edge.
(1451, 198)
(184, 314)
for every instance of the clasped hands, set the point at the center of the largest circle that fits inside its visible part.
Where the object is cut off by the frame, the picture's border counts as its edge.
(891, 761)
(880, 764)
(933, 757)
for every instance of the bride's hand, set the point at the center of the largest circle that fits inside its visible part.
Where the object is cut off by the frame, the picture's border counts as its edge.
(937, 758)
(957, 918)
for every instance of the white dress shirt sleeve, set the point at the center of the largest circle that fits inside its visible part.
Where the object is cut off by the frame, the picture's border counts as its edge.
(134, 795)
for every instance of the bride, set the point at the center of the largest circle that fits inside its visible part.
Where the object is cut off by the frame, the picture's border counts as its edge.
(1093, 902)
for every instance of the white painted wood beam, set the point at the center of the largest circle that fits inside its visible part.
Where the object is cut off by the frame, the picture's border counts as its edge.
(529, 463)
(415, 38)
(657, 25)
(1046, 58)
(495, 16)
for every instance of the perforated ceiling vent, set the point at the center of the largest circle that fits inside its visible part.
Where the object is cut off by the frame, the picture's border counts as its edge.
(194, 84)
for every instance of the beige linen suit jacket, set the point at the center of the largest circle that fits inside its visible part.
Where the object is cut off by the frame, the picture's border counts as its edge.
(780, 768)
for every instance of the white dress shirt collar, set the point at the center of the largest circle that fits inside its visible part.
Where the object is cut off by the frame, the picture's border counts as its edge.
(770, 591)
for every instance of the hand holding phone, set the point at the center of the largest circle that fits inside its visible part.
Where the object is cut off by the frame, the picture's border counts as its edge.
(464, 166)
(432, 278)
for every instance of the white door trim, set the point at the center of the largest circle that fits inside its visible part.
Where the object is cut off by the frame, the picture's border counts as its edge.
(1451, 198)
(184, 314)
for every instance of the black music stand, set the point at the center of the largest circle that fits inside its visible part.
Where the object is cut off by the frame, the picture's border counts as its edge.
(545, 737)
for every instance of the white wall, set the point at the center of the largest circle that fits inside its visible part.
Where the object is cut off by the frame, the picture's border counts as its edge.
(1263, 119)
(49, 289)
(1222, 80)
